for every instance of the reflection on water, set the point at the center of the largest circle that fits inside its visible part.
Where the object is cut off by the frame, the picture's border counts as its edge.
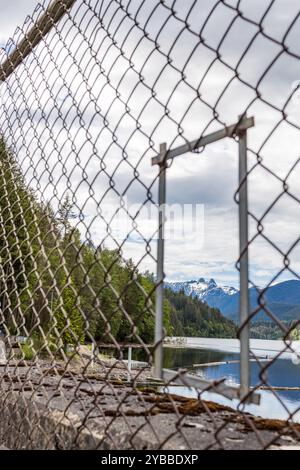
(186, 358)
(281, 373)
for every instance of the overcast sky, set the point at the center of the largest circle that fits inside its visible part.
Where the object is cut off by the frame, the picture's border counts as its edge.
(13, 14)
(104, 155)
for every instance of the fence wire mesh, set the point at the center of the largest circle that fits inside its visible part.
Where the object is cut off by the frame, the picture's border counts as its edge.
(89, 90)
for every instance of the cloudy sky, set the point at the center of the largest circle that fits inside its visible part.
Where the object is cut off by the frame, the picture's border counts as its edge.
(13, 14)
(88, 109)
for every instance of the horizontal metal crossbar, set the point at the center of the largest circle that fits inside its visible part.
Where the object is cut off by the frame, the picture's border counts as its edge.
(52, 15)
(229, 131)
(192, 381)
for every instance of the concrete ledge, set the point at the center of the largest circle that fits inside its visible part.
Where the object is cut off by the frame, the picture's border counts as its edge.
(48, 408)
(30, 425)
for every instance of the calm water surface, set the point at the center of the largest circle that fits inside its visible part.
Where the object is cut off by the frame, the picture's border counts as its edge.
(282, 373)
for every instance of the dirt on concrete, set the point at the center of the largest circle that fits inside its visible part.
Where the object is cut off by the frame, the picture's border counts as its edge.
(48, 406)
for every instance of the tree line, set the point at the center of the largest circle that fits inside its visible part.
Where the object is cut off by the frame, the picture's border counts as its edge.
(62, 290)
(192, 317)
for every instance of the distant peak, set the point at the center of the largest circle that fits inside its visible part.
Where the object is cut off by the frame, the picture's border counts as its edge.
(201, 279)
(212, 283)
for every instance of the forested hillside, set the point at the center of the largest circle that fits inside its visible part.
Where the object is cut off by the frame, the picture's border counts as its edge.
(64, 290)
(55, 284)
(192, 317)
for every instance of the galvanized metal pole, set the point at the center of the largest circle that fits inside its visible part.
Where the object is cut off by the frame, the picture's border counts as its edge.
(244, 269)
(93, 355)
(129, 363)
(158, 353)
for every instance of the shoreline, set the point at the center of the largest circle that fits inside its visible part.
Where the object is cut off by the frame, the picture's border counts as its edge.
(260, 348)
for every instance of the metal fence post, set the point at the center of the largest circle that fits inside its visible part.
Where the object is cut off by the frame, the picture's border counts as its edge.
(244, 274)
(129, 363)
(93, 355)
(158, 354)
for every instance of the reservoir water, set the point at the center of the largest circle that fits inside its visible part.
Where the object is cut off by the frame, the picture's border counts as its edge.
(282, 373)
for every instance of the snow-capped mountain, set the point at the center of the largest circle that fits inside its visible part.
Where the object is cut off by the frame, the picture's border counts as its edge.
(206, 290)
(282, 299)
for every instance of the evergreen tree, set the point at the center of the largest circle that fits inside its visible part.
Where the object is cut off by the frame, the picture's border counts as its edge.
(69, 321)
(18, 243)
(53, 282)
(191, 317)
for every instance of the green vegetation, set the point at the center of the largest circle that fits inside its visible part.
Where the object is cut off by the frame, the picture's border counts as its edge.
(53, 285)
(295, 332)
(268, 330)
(28, 352)
(59, 290)
(191, 317)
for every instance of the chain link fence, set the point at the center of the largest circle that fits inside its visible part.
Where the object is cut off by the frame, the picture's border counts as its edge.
(90, 92)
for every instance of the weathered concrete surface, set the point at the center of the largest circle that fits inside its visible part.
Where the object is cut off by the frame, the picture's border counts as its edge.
(46, 407)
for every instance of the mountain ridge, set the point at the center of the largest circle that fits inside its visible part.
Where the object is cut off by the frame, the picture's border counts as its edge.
(281, 299)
